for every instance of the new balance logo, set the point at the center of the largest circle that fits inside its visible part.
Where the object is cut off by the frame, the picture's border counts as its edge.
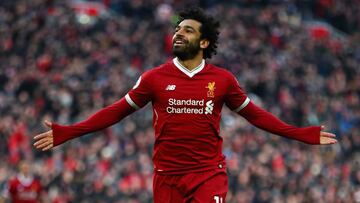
(170, 87)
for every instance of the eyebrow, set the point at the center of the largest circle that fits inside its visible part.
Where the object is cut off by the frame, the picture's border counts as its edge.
(187, 27)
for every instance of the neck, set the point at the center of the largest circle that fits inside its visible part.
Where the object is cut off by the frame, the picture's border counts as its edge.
(190, 64)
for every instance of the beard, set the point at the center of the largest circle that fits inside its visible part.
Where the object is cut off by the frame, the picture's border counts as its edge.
(187, 51)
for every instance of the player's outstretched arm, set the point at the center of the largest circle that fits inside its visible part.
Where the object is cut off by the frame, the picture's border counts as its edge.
(268, 122)
(100, 120)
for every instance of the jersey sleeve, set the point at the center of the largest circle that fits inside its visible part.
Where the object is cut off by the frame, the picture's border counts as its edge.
(268, 122)
(141, 93)
(236, 99)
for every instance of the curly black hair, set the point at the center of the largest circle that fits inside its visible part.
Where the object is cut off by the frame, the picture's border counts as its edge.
(209, 27)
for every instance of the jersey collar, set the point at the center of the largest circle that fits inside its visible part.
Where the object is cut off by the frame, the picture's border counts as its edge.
(25, 181)
(186, 71)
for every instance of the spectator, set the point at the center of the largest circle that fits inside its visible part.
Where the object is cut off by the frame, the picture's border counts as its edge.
(266, 46)
(25, 188)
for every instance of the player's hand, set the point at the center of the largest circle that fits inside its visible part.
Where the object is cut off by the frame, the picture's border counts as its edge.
(45, 141)
(326, 137)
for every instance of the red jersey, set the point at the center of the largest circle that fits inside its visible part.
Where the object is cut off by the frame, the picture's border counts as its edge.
(186, 114)
(24, 190)
(187, 111)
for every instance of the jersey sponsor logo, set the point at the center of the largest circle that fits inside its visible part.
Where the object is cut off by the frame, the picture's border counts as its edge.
(170, 87)
(27, 195)
(189, 106)
(209, 107)
(211, 89)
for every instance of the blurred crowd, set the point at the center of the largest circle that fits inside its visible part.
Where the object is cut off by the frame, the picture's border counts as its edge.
(54, 67)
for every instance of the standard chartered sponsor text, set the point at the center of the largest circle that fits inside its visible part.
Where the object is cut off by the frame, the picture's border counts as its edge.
(187, 102)
(171, 109)
(188, 106)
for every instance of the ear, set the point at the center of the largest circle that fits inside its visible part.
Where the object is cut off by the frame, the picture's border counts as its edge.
(204, 43)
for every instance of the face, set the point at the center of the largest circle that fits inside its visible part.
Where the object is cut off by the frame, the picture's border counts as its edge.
(24, 168)
(186, 40)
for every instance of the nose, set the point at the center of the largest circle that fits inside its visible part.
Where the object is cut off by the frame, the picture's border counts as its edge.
(178, 35)
(179, 32)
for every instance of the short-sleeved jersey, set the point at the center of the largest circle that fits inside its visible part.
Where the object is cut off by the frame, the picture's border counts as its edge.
(186, 114)
(24, 190)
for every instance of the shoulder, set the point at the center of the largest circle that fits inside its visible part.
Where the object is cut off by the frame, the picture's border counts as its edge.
(229, 78)
(221, 71)
(13, 182)
(37, 182)
(156, 70)
(152, 75)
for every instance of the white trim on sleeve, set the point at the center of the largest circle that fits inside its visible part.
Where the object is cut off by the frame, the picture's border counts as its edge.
(131, 102)
(245, 103)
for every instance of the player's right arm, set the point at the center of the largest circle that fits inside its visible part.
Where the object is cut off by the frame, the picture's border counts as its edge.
(100, 120)
(138, 97)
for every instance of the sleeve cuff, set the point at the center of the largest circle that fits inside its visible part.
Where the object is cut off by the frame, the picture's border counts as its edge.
(57, 138)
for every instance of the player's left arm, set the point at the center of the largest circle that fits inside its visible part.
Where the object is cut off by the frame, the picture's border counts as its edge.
(268, 122)
(237, 100)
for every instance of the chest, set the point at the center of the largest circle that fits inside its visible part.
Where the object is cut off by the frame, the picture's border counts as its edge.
(182, 91)
(33, 187)
(200, 86)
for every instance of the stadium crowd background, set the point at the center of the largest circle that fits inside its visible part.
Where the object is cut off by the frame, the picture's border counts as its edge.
(52, 66)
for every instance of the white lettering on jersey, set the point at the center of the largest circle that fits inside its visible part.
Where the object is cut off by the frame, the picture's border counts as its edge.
(170, 87)
(209, 107)
(188, 102)
(218, 199)
(189, 106)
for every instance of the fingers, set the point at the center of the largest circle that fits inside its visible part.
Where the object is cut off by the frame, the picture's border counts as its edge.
(42, 135)
(48, 147)
(326, 137)
(327, 140)
(44, 141)
(48, 123)
(43, 145)
(41, 141)
(326, 134)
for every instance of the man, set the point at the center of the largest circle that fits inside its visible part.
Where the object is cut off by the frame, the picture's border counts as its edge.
(187, 95)
(24, 188)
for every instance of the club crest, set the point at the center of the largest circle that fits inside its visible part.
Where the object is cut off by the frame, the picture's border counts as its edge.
(211, 89)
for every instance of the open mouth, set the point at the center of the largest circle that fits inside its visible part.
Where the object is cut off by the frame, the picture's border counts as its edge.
(178, 42)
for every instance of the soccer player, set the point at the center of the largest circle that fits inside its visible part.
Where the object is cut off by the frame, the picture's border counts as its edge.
(187, 95)
(24, 188)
